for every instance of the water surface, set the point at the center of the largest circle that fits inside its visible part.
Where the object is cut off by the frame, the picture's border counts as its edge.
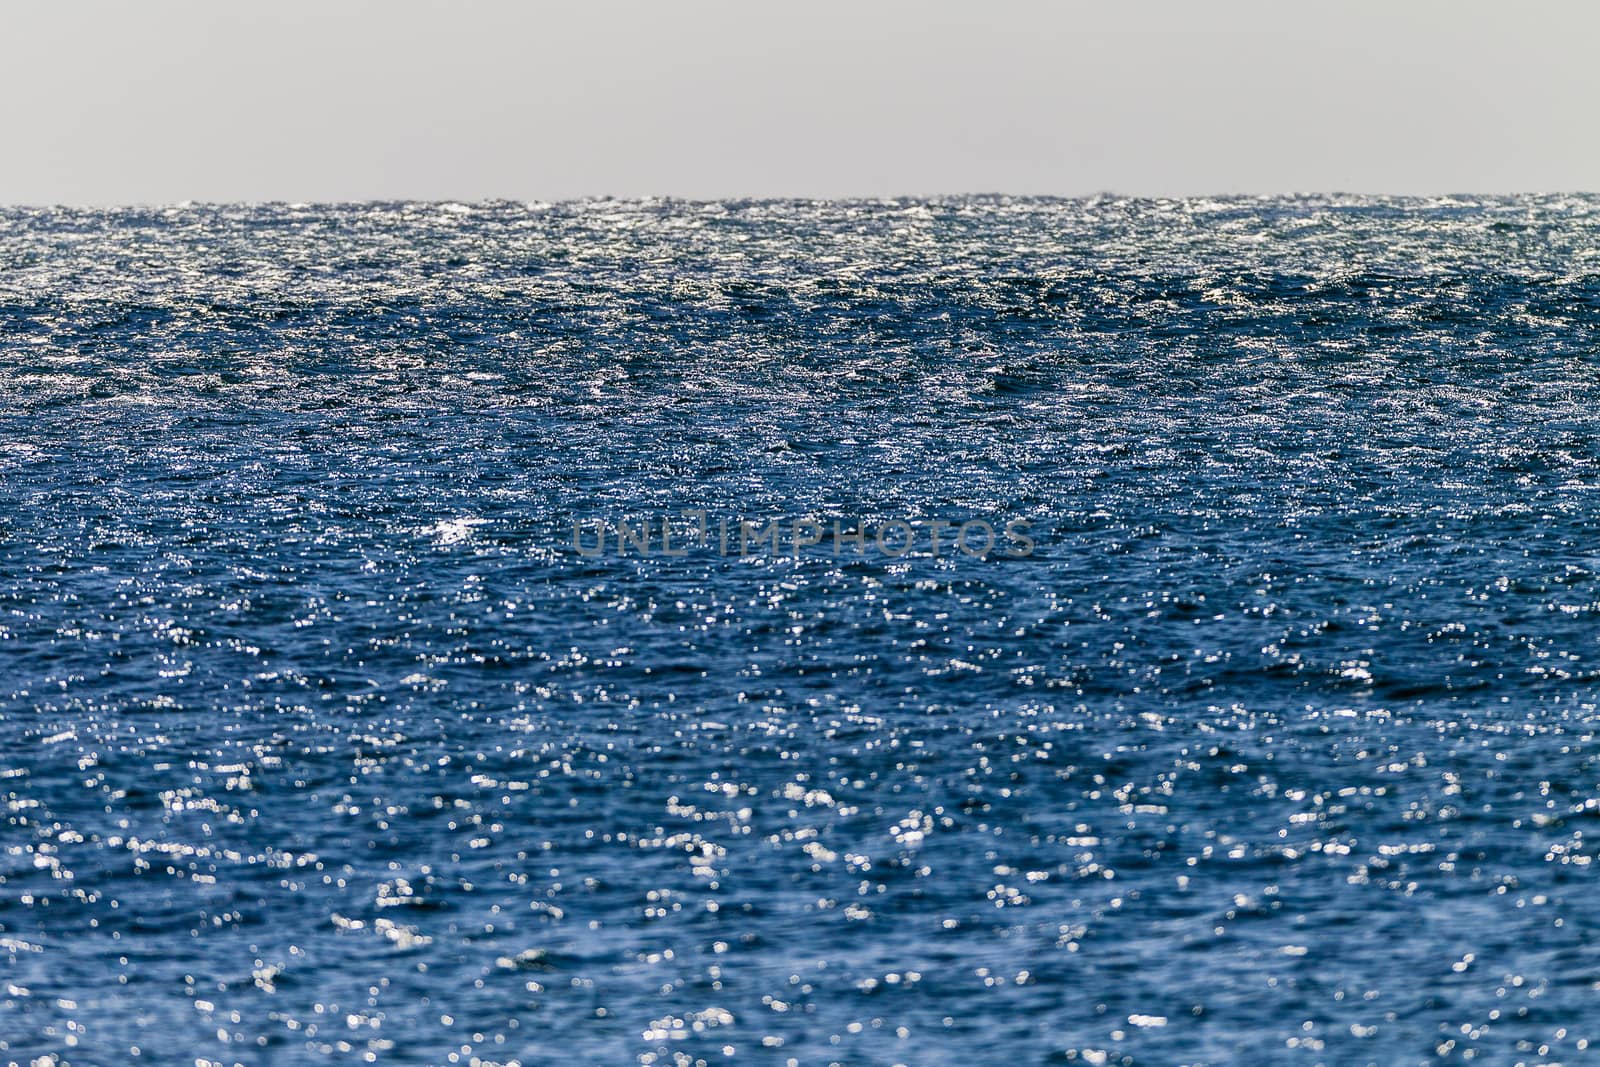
(320, 743)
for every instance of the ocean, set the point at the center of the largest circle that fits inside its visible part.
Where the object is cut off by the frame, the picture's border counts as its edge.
(1093, 631)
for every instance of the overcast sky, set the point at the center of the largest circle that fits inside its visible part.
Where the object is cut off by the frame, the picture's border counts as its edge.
(108, 101)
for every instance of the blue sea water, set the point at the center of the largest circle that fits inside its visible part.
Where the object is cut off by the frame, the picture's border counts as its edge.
(322, 741)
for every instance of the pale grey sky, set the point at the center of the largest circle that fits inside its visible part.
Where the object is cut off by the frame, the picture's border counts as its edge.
(107, 101)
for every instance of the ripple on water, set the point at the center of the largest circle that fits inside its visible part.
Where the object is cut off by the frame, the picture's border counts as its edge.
(320, 742)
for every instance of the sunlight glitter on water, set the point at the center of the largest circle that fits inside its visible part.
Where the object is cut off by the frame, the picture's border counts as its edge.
(320, 741)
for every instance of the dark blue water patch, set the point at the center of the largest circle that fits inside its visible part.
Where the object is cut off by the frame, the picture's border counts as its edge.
(323, 741)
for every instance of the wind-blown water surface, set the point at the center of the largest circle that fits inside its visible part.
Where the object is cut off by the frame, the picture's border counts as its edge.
(321, 743)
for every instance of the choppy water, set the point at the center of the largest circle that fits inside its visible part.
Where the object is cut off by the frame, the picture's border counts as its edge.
(319, 741)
